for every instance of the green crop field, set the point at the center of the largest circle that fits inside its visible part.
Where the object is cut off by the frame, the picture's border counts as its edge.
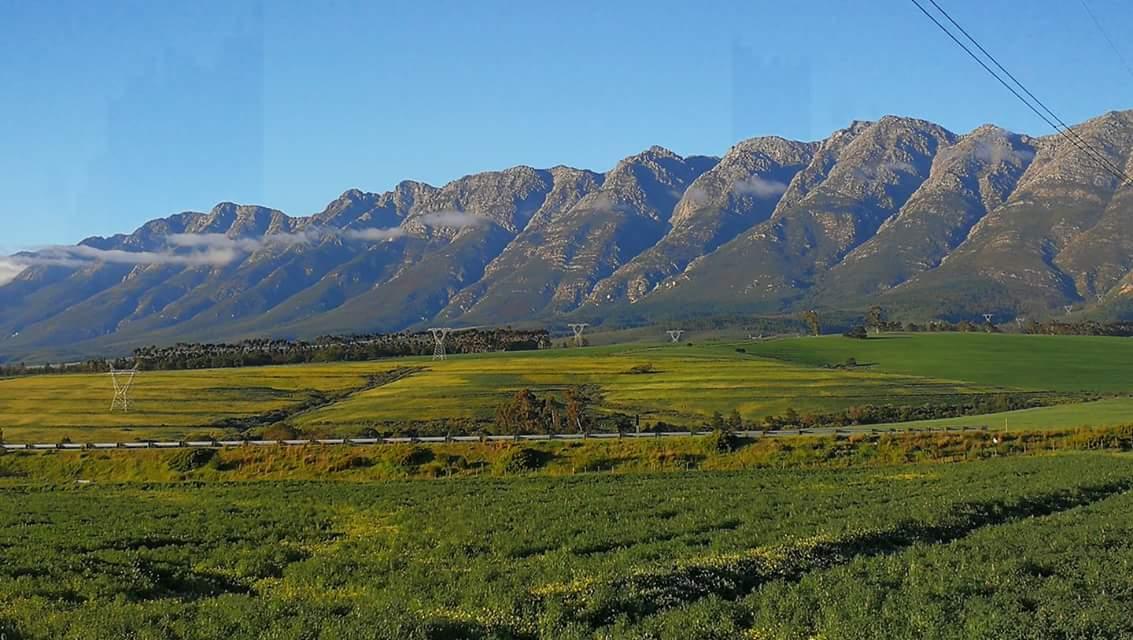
(1109, 412)
(1054, 363)
(1021, 547)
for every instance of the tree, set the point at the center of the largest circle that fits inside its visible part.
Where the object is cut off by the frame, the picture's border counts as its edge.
(735, 420)
(717, 420)
(857, 332)
(577, 401)
(812, 322)
(875, 318)
(520, 414)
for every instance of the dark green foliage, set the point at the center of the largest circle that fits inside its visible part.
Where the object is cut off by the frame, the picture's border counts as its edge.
(414, 457)
(188, 460)
(722, 441)
(642, 369)
(858, 332)
(521, 459)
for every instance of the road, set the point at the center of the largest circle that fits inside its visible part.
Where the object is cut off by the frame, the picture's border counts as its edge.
(216, 444)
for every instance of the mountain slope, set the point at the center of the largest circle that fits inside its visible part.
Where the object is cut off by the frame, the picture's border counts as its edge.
(899, 212)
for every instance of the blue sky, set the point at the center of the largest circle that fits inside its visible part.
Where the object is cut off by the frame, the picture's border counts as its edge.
(116, 112)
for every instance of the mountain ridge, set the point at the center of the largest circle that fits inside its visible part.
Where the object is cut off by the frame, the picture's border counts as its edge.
(898, 211)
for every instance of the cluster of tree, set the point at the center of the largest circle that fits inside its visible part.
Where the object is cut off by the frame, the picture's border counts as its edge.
(335, 348)
(1084, 328)
(525, 412)
(88, 366)
(963, 326)
(881, 414)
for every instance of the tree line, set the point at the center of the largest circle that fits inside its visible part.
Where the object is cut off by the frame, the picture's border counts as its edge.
(267, 351)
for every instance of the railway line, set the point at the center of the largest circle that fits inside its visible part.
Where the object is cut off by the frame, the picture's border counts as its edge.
(220, 444)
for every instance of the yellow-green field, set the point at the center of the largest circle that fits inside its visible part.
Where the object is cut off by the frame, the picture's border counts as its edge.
(163, 403)
(687, 384)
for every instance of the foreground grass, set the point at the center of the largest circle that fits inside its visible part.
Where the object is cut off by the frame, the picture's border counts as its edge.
(768, 553)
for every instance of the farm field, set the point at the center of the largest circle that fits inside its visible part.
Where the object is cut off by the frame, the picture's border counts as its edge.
(1108, 412)
(684, 385)
(163, 403)
(1052, 363)
(1009, 547)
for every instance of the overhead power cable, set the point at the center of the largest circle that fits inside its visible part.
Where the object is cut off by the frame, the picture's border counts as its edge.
(1050, 118)
(1105, 34)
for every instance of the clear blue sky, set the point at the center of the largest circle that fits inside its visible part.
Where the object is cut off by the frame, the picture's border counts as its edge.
(115, 112)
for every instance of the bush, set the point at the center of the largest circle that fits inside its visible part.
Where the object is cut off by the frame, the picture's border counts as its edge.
(521, 459)
(280, 431)
(857, 332)
(415, 457)
(722, 441)
(187, 460)
(642, 369)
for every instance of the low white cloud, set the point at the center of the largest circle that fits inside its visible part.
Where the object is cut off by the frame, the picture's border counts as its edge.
(374, 235)
(9, 269)
(999, 152)
(697, 197)
(454, 219)
(186, 249)
(759, 187)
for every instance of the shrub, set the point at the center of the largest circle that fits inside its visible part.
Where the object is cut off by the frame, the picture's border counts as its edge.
(642, 369)
(858, 332)
(722, 441)
(415, 457)
(280, 431)
(187, 460)
(521, 459)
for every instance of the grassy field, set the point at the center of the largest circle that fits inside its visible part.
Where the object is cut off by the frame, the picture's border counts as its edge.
(1108, 412)
(1053, 363)
(164, 403)
(1011, 547)
(687, 384)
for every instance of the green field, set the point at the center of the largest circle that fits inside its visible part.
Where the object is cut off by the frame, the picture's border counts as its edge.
(687, 384)
(1109, 412)
(1054, 363)
(1024, 547)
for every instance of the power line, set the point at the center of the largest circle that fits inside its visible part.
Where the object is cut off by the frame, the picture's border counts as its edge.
(1064, 130)
(1105, 34)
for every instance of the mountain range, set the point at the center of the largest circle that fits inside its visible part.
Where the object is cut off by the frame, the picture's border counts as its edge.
(899, 212)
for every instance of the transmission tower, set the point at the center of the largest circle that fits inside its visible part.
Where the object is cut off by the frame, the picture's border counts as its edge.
(578, 328)
(122, 379)
(1019, 322)
(675, 334)
(1068, 308)
(988, 317)
(439, 335)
